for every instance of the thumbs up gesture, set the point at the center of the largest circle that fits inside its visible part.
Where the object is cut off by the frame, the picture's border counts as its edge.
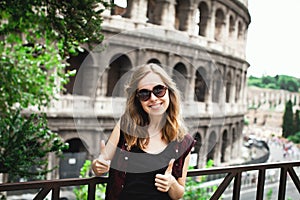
(101, 165)
(163, 182)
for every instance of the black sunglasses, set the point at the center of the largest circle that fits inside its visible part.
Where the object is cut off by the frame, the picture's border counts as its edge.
(158, 90)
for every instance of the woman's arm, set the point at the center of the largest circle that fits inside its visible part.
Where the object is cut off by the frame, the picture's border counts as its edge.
(168, 183)
(101, 165)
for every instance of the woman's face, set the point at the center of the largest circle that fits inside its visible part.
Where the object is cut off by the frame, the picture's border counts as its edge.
(155, 105)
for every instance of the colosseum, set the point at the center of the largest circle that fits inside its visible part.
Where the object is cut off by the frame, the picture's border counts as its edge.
(201, 43)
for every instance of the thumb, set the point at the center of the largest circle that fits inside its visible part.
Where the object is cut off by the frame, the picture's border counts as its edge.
(102, 150)
(170, 166)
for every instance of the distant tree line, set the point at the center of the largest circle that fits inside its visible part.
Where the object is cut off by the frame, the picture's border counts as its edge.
(283, 82)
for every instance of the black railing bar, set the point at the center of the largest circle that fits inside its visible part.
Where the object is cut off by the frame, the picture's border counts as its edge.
(237, 186)
(221, 188)
(240, 168)
(42, 193)
(260, 184)
(57, 182)
(282, 183)
(55, 193)
(295, 178)
(91, 191)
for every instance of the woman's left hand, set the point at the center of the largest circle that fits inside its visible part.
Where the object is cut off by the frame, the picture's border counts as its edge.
(163, 182)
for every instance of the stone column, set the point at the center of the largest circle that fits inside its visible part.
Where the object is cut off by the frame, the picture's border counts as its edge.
(137, 10)
(191, 81)
(90, 80)
(165, 13)
(211, 24)
(187, 21)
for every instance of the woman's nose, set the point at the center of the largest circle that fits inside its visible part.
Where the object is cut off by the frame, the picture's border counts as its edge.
(153, 97)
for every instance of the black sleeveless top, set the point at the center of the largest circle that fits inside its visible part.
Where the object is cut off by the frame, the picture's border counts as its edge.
(132, 173)
(141, 186)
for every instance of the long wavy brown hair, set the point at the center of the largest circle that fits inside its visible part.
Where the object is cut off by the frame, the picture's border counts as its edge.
(135, 121)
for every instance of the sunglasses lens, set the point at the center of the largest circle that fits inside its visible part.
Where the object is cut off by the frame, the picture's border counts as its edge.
(144, 94)
(159, 91)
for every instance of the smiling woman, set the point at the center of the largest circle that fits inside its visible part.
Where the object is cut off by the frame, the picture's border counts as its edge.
(148, 152)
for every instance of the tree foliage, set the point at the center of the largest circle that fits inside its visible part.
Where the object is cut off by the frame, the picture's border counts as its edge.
(283, 82)
(25, 143)
(37, 37)
(288, 125)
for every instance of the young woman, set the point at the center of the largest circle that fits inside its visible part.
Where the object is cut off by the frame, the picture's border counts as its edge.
(149, 147)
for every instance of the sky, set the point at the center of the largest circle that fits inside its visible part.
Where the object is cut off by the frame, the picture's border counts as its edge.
(273, 39)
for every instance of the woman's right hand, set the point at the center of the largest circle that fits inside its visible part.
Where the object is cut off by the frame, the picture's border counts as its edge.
(101, 165)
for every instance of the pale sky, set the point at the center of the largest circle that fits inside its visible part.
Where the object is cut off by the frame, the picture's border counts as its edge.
(273, 44)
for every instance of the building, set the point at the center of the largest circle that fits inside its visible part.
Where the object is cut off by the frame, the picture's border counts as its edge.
(266, 108)
(201, 43)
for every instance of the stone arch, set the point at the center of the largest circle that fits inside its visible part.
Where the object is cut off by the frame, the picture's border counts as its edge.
(201, 87)
(234, 143)
(240, 30)
(119, 65)
(225, 147)
(228, 87)
(181, 17)
(219, 24)
(179, 75)
(197, 147)
(73, 159)
(151, 11)
(76, 145)
(75, 62)
(203, 18)
(212, 140)
(231, 25)
(154, 60)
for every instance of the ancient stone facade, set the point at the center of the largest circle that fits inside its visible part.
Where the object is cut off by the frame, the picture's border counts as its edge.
(266, 108)
(200, 43)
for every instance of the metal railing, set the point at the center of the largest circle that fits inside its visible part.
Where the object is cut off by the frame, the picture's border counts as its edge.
(233, 173)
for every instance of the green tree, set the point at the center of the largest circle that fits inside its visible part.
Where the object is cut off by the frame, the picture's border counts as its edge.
(283, 82)
(288, 125)
(297, 121)
(37, 37)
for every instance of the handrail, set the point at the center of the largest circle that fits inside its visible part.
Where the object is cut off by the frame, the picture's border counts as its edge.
(233, 173)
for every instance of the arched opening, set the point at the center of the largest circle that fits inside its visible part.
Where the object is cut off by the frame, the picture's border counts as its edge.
(240, 30)
(151, 11)
(181, 16)
(220, 17)
(211, 146)
(197, 147)
(231, 26)
(154, 60)
(228, 87)
(75, 62)
(201, 87)
(180, 77)
(225, 143)
(73, 159)
(234, 143)
(203, 18)
(118, 67)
